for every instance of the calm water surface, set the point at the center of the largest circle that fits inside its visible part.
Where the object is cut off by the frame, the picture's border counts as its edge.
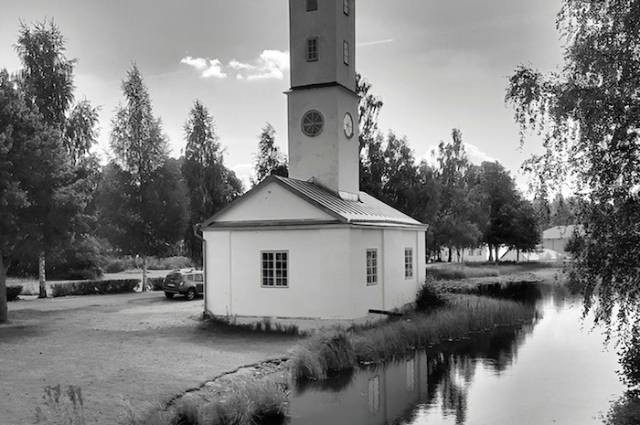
(554, 371)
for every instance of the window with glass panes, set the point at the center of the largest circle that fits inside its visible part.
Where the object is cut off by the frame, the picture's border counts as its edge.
(345, 52)
(312, 49)
(372, 266)
(408, 263)
(312, 5)
(275, 269)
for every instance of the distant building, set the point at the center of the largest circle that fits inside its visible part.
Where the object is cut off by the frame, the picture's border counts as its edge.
(556, 237)
(313, 245)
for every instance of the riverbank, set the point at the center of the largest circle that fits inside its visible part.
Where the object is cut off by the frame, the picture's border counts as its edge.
(251, 394)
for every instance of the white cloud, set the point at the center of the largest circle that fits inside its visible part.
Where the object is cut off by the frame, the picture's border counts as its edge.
(474, 154)
(244, 172)
(374, 43)
(209, 68)
(271, 64)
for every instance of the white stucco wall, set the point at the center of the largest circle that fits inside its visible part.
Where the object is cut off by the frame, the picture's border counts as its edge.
(327, 272)
(273, 202)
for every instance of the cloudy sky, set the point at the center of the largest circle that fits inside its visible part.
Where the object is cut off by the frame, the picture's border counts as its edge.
(436, 64)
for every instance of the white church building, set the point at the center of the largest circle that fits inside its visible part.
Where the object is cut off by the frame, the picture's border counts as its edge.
(312, 245)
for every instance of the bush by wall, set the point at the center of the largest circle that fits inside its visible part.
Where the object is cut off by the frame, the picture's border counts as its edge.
(117, 265)
(155, 283)
(94, 287)
(13, 292)
(168, 263)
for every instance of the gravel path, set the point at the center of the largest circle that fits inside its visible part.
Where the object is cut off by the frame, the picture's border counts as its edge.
(130, 349)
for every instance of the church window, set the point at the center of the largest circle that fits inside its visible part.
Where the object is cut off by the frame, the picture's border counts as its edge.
(312, 123)
(372, 266)
(275, 269)
(408, 263)
(346, 7)
(345, 52)
(312, 49)
(312, 5)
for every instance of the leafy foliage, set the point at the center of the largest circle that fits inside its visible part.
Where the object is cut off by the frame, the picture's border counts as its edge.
(94, 287)
(136, 138)
(368, 111)
(588, 117)
(210, 184)
(147, 221)
(269, 159)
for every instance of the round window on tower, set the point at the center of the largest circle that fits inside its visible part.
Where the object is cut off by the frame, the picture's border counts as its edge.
(312, 123)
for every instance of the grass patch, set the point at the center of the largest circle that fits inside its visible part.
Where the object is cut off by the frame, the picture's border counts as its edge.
(13, 292)
(244, 403)
(241, 403)
(61, 406)
(325, 354)
(459, 271)
(94, 287)
(265, 326)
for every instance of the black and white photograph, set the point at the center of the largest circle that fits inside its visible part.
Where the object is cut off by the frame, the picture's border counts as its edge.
(312, 212)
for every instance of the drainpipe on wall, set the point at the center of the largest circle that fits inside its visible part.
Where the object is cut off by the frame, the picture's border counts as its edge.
(197, 231)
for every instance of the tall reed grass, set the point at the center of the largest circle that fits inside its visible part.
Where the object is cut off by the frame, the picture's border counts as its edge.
(241, 403)
(325, 354)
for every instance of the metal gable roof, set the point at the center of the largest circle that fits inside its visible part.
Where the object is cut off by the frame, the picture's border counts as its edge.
(366, 211)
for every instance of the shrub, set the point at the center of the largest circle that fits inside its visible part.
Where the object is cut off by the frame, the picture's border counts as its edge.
(624, 411)
(429, 298)
(79, 259)
(155, 283)
(94, 287)
(168, 263)
(118, 265)
(13, 292)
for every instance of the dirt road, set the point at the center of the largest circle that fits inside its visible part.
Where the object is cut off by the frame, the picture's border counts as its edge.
(132, 349)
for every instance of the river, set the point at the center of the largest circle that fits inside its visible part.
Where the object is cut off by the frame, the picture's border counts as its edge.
(554, 370)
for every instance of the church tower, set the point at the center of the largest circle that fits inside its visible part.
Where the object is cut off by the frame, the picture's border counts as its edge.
(322, 101)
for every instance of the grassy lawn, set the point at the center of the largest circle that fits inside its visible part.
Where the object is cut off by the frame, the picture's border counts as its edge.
(124, 350)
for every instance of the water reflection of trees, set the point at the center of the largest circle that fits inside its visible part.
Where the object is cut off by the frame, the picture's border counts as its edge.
(389, 394)
(452, 368)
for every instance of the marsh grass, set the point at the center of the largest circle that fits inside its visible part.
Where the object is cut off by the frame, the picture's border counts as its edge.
(322, 355)
(61, 406)
(266, 326)
(460, 271)
(326, 354)
(245, 403)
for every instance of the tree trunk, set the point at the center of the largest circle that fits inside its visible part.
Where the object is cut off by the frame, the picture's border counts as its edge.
(497, 247)
(3, 292)
(42, 278)
(144, 273)
(490, 253)
(517, 255)
(449, 254)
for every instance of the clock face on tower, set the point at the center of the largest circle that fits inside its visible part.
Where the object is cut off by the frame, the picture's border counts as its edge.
(348, 125)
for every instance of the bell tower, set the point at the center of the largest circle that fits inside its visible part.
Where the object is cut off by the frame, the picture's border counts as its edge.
(322, 102)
